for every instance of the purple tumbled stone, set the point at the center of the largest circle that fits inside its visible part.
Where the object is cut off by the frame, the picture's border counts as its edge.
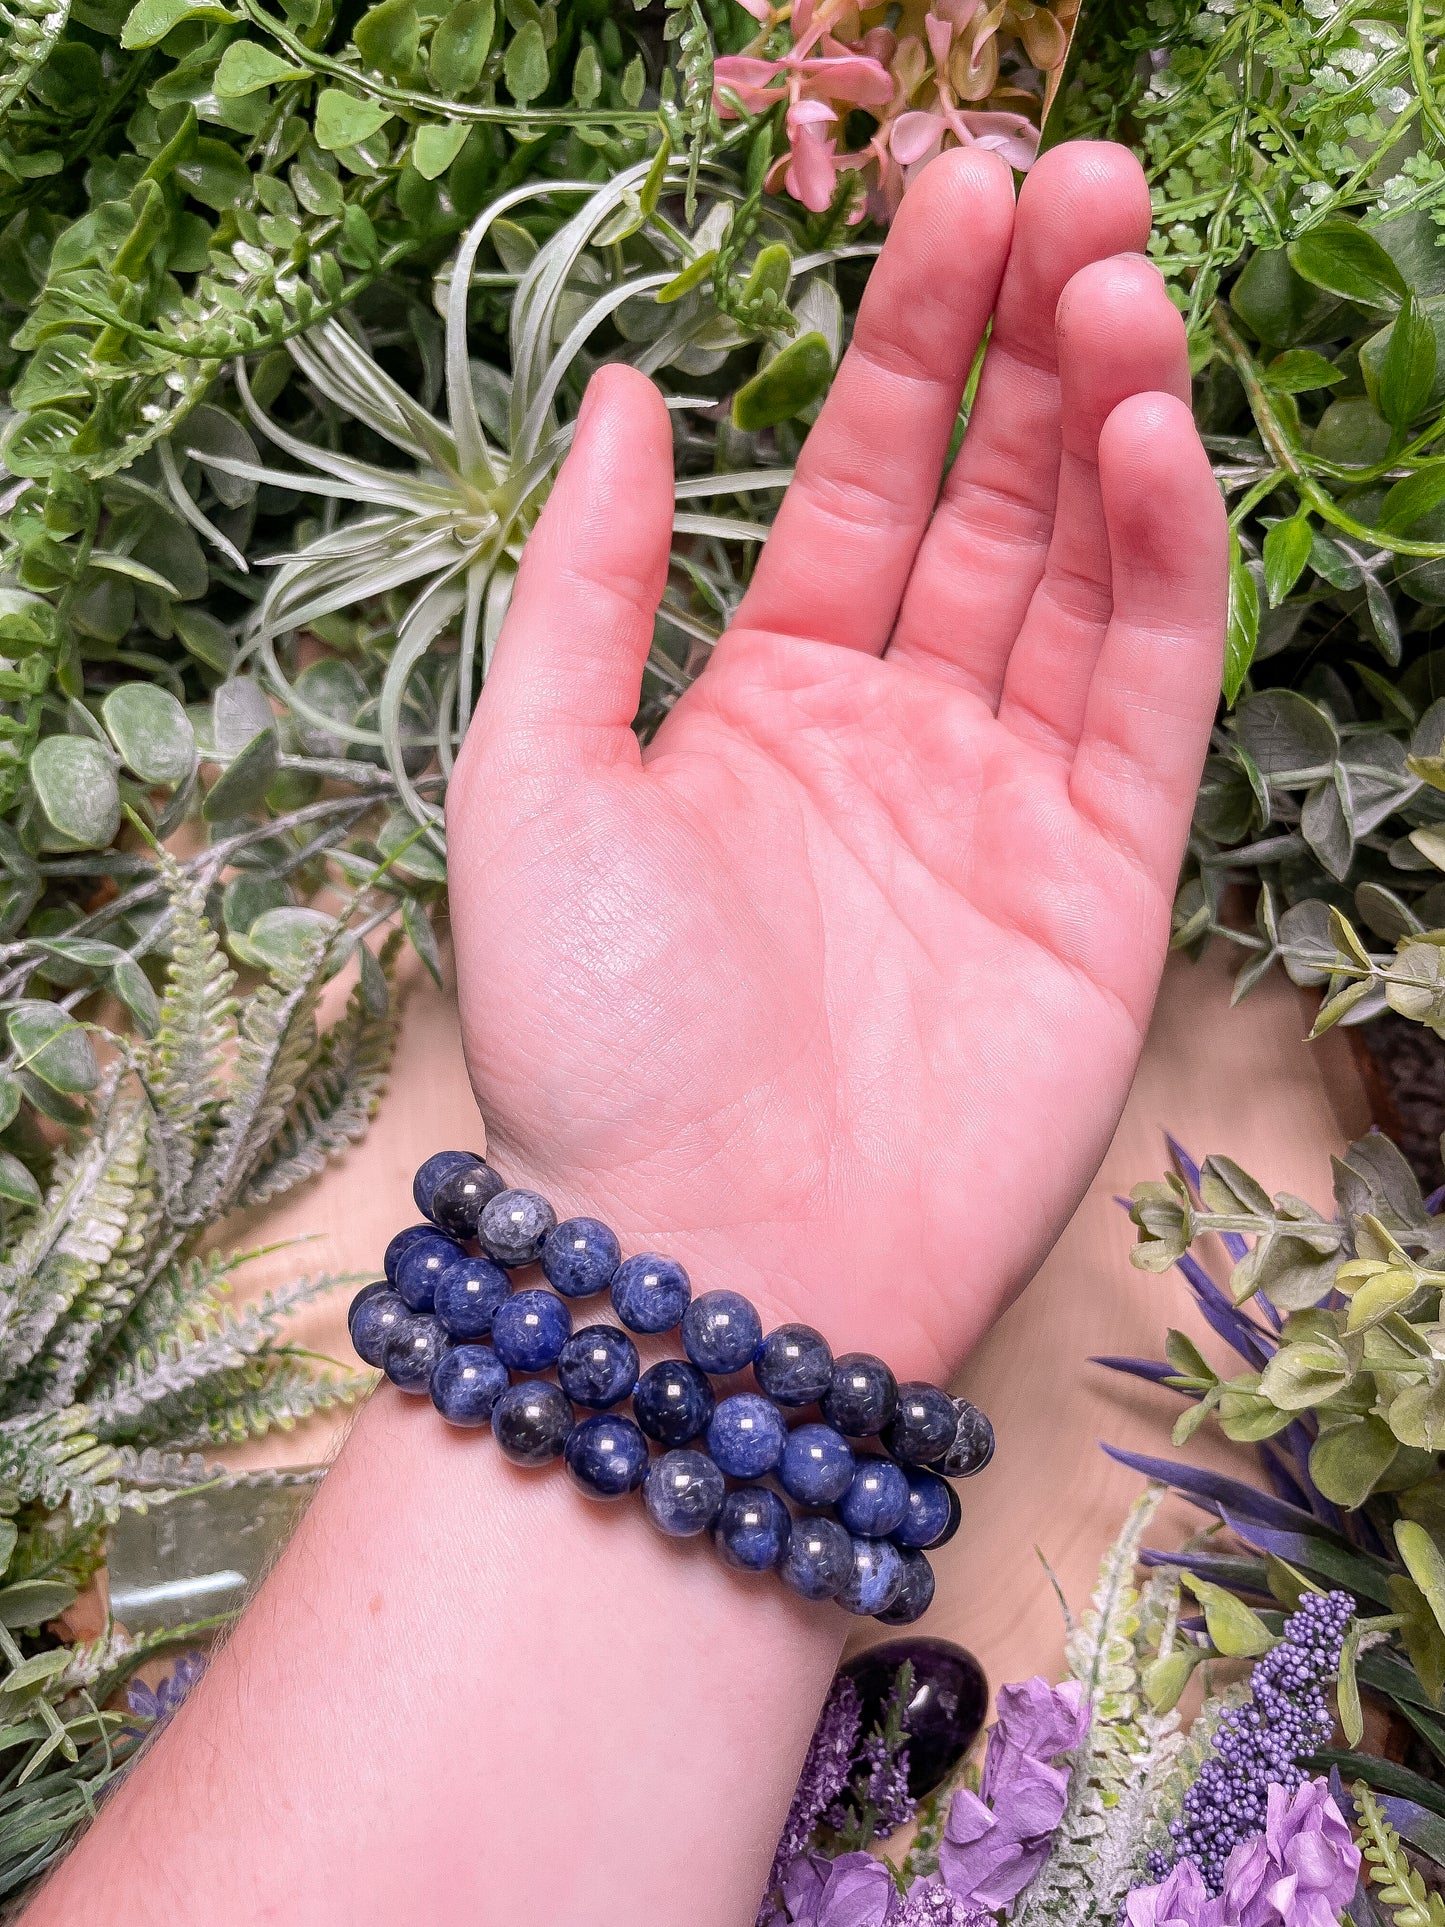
(946, 1709)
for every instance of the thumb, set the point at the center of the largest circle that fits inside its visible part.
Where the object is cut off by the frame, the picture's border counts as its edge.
(567, 673)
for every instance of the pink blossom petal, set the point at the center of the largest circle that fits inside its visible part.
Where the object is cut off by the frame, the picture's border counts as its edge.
(809, 113)
(914, 135)
(940, 38)
(957, 13)
(811, 177)
(862, 82)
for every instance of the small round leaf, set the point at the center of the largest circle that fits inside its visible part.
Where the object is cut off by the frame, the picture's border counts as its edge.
(152, 732)
(75, 782)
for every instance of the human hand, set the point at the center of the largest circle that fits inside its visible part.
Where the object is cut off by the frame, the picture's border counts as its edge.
(836, 990)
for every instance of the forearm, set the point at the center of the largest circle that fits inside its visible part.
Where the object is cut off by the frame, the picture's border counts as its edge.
(466, 1693)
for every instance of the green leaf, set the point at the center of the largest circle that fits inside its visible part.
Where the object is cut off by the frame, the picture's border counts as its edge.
(342, 120)
(1347, 1694)
(435, 148)
(152, 732)
(460, 46)
(1304, 1374)
(1408, 374)
(418, 928)
(1235, 1629)
(1285, 732)
(75, 784)
(16, 1183)
(242, 786)
(10, 1096)
(216, 176)
(388, 37)
(281, 940)
(1286, 551)
(50, 1043)
(1413, 497)
(587, 77)
(1425, 1564)
(246, 66)
(1347, 1461)
(696, 271)
(31, 1602)
(1165, 1678)
(525, 67)
(1241, 636)
(37, 443)
(789, 382)
(1345, 259)
(135, 991)
(1299, 370)
(150, 21)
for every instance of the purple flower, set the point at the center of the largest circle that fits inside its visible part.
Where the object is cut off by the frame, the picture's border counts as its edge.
(1180, 1900)
(1301, 1871)
(930, 1904)
(997, 1840)
(156, 1707)
(855, 1890)
(824, 1776)
(886, 1788)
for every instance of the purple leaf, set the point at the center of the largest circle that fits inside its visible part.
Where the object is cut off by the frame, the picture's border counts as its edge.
(1212, 1491)
(1359, 1572)
(1154, 1369)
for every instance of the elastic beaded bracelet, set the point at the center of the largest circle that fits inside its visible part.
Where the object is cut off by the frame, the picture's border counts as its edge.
(448, 1321)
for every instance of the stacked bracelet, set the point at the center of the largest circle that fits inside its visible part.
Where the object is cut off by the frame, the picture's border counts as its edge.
(448, 1321)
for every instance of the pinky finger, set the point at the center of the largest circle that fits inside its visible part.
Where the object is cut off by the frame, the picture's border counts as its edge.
(1155, 686)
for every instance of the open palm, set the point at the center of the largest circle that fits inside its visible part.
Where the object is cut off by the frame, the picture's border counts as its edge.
(836, 991)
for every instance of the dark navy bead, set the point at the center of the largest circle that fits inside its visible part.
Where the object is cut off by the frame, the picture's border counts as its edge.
(683, 1493)
(421, 1265)
(401, 1244)
(817, 1465)
(819, 1558)
(795, 1365)
(751, 1530)
(458, 1201)
(366, 1293)
(580, 1256)
(915, 1595)
(721, 1332)
(531, 1422)
(931, 1518)
(876, 1578)
(467, 1383)
(372, 1323)
(972, 1446)
(923, 1427)
(876, 1503)
(430, 1175)
(673, 1402)
(467, 1295)
(597, 1367)
(606, 1455)
(862, 1395)
(412, 1351)
(650, 1294)
(514, 1226)
(746, 1436)
(529, 1330)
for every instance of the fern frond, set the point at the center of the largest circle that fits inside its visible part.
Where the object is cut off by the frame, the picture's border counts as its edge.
(337, 1097)
(30, 30)
(181, 1065)
(1401, 1888)
(270, 1393)
(276, 1047)
(185, 1297)
(1125, 1754)
(87, 1234)
(54, 1459)
(137, 1397)
(153, 1476)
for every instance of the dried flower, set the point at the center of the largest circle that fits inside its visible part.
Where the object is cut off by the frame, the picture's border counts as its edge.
(1301, 1871)
(825, 1774)
(929, 1904)
(855, 1890)
(156, 1705)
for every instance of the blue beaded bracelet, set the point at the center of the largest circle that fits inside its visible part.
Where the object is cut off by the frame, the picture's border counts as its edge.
(448, 1321)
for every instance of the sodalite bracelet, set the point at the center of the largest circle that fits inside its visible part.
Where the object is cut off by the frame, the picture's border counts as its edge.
(448, 1321)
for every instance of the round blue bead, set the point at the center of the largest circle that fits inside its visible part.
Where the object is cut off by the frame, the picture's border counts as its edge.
(875, 1580)
(673, 1402)
(467, 1383)
(795, 1365)
(514, 1226)
(580, 1256)
(817, 1465)
(650, 1294)
(372, 1323)
(531, 1422)
(420, 1267)
(914, 1596)
(430, 1175)
(721, 1332)
(683, 1493)
(468, 1293)
(819, 1558)
(932, 1506)
(972, 1446)
(597, 1367)
(876, 1502)
(366, 1292)
(862, 1395)
(529, 1330)
(401, 1244)
(746, 1436)
(413, 1350)
(606, 1455)
(458, 1201)
(923, 1427)
(751, 1529)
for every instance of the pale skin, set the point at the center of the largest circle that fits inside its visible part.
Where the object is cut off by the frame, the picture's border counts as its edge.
(834, 992)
